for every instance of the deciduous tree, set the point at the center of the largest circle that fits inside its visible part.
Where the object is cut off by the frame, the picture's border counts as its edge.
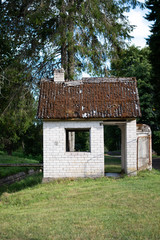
(134, 62)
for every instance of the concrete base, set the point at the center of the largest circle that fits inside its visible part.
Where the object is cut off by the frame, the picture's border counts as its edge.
(132, 173)
(113, 175)
(50, 179)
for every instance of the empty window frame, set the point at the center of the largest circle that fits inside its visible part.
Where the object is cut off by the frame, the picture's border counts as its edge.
(78, 140)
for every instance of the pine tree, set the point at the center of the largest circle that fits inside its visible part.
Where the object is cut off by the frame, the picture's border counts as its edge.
(154, 44)
(77, 35)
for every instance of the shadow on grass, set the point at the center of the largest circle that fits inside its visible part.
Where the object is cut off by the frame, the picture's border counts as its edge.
(112, 164)
(25, 183)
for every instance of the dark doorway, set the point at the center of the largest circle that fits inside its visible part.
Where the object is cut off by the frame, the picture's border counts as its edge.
(112, 149)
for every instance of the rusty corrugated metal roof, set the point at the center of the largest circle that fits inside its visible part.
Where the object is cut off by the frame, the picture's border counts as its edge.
(89, 98)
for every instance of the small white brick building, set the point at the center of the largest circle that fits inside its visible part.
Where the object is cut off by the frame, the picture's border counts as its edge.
(82, 108)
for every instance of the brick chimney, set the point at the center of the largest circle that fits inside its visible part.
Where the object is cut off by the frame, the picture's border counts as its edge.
(59, 75)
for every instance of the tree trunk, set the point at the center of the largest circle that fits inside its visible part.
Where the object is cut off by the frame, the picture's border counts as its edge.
(23, 145)
(64, 59)
(9, 149)
(71, 42)
(63, 26)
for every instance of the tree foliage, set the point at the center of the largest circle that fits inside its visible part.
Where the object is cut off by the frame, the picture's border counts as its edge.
(38, 35)
(154, 44)
(76, 35)
(33, 140)
(134, 62)
(112, 138)
(17, 104)
(15, 120)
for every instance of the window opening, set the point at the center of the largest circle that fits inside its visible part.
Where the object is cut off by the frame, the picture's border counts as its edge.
(78, 140)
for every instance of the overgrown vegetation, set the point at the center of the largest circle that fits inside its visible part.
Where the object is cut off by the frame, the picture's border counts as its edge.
(124, 209)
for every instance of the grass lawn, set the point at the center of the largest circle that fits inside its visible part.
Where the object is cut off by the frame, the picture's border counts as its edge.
(155, 156)
(112, 209)
(112, 164)
(16, 158)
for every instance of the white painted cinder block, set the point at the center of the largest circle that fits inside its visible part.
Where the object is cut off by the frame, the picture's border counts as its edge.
(60, 164)
(130, 148)
(59, 75)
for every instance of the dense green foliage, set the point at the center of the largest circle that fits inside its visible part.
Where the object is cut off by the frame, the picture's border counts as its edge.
(156, 141)
(134, 62)
(14, 122)
(123, 209)
(17, 108)
(77, 35)
(82, 141)
(112, 138)
(154, 44)
(33, 140)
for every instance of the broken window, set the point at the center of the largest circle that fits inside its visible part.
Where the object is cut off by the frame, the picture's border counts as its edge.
(78, 140)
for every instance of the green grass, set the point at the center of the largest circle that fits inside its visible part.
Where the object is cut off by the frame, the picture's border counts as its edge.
(7, 171)
(23, 184)
(112, 209)
(155, 156)
(112, 164)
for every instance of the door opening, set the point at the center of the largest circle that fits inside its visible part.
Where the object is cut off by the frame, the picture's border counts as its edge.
(112, 149)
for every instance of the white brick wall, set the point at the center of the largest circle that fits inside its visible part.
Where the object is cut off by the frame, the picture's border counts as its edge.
(59, 164)
(123, 146)
(59, 75)
(131, 148)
